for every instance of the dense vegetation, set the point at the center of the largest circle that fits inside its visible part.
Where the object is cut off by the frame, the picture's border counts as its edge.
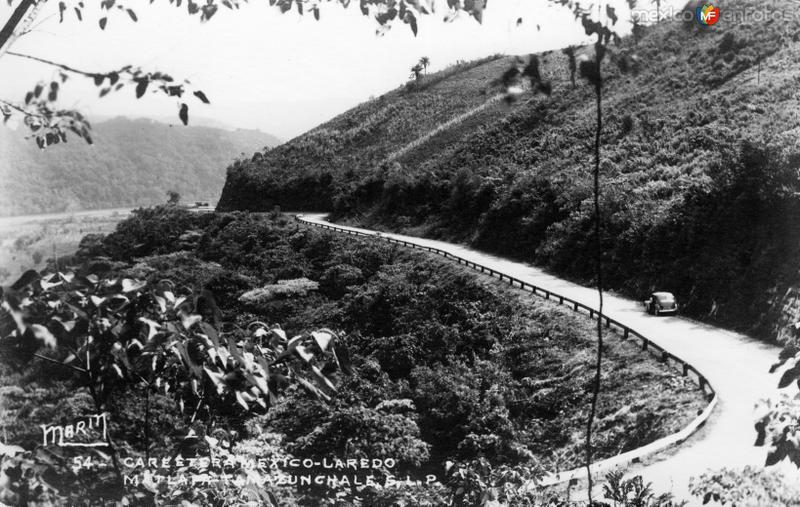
(700, 169)
(131, 163)
(442, 366)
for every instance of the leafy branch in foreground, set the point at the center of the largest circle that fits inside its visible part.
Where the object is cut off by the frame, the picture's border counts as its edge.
(49, 125)
(120, 334)
(778, 423)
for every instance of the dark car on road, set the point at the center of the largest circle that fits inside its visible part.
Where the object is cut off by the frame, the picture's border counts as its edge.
(661, 303)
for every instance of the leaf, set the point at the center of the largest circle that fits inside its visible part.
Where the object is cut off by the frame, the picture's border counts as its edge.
(342, 355)
(212, 334)
(44, 334)
(241, 401)
(61, 8)
(612, 14)
(312, 389)
(26, 279)
(323, 339)
(323, 382)
(184, 353)
(190, 320)
(202, 96)
(258, 381)
(217, 378)
(132, 15)
(183, 114)
(411, 20)
(206, 301)
(103, 22)
(303, 353)
(775, 455)
(129, 285)
(789, 375)
(141, 86)
(162, 303)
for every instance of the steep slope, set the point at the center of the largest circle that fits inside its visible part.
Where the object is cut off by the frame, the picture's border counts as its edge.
(133, 162)
(700, 168)
(350, 146)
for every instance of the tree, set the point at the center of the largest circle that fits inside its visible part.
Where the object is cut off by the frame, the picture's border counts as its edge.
(50, 124)
(637, 28)
(174, 198)
(658, 9)
(425, 62)
(416, 72)
(569, 52)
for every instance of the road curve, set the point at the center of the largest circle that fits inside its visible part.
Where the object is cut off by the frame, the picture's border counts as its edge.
(736, 365)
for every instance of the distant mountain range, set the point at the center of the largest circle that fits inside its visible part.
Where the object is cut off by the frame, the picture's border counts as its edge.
(131, 163)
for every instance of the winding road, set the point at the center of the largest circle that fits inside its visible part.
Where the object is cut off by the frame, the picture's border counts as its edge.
(736, 365)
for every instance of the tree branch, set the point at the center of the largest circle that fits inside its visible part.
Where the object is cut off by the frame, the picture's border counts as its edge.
(61, 66)
(13, 106)
(7, 32)
(50, 359)
(598, 88)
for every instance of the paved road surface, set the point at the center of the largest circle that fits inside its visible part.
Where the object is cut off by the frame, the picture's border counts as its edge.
(736, 365)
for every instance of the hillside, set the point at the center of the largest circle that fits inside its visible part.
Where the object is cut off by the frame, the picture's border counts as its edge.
(700, 168)
(133, 162)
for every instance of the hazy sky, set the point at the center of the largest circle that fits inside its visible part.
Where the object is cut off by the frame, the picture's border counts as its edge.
(281, 73)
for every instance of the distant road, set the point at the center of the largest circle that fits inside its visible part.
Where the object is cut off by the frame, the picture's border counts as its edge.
(736, 365)
(6, 222)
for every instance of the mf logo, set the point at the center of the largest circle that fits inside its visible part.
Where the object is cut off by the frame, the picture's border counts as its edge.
(707, 14)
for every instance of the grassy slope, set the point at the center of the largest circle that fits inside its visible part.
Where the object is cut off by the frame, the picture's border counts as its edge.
(699, 162)
(356, 141)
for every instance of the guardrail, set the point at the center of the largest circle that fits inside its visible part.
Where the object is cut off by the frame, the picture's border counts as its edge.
(647, 345)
